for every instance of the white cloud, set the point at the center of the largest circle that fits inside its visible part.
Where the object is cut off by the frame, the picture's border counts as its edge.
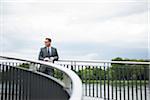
(74, 1)
(116, 23)
(88, 56)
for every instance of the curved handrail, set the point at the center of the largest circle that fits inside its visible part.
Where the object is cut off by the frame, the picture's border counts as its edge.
(104, 61)
(76, 82)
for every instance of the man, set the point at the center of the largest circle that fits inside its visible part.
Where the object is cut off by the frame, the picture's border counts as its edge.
(48, 53)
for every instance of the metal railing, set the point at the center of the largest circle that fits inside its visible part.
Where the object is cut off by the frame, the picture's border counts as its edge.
(112, 80)
(20, 80)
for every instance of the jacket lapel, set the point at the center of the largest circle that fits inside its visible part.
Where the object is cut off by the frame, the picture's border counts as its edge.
(45, 50)
(52, 51)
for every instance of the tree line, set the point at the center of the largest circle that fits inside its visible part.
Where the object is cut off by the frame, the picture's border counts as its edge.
(117, 71)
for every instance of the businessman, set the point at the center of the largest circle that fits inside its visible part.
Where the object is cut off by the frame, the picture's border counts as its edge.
(49, 54)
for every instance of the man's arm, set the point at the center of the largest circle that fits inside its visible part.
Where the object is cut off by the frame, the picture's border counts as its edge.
(41, 55)
(56, 57)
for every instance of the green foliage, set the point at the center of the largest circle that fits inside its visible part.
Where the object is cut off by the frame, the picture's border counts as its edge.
(25, 65)
(129, 71)
(91, 73)
(117, 71)
(58, 74)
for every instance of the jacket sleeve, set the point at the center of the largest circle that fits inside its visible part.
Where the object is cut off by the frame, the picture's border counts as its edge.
(41, 55)
(56, 57)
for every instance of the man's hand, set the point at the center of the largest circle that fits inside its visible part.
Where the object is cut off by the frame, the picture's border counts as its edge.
(46, 59)
(52, 58)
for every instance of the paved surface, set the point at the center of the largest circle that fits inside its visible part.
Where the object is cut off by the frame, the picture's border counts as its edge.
(91, 98)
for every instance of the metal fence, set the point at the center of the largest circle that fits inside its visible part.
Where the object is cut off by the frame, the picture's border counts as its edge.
(20, 80)
(18, 84)
(112, 80)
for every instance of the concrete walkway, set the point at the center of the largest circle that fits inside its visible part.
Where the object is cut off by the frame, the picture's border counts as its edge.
(91, 98)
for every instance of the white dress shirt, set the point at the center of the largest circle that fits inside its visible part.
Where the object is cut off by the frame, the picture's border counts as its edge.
(50, 49)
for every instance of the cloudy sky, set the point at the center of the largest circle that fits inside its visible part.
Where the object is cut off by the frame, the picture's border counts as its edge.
(80, 29)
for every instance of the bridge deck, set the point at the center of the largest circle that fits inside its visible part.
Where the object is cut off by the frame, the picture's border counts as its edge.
(91, 98)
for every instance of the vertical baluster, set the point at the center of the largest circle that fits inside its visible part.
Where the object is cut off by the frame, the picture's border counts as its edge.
(96, 72)
(116, 82)
(3, 82)
(67, 66)
(71, 66)
(20, 83)
(28, 86)
(47, 89)
(86, 80)
(120, 79)
(128, 75)
(1, 78)
(132, 84)
(145, 71)
(16, 82)
(34, 86)
(100, 76)
(82, 79)
(82, 74)
(93, 78)
(37, 87)
(24, 83)
(141, 84)
(136, 68)
(104, 83)
(124, 91)
(36, 82)
(108, 80)
(9, 81)
(6, 80)
(30, 83)
(112, 85)
(78, 71)
(89, 80)
(75, 68)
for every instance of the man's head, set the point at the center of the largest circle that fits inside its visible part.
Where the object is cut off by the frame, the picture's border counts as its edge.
(48, 42)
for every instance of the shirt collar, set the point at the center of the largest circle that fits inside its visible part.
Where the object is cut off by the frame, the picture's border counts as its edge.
(49, 47)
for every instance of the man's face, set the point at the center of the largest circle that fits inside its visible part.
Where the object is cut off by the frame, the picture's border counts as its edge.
(47, 43)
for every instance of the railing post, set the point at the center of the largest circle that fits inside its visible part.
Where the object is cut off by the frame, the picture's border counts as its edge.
(32, 67)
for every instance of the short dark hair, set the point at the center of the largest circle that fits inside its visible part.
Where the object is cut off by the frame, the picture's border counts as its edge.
(49, 39)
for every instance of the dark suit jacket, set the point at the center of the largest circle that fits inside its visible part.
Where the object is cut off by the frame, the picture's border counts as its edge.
(43, 54)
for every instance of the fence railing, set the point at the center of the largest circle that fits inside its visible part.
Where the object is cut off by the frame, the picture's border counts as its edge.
(20, 80)
(112, 80)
